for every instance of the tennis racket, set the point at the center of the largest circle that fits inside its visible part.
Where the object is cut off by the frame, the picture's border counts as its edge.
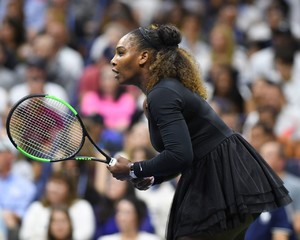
(48, 129)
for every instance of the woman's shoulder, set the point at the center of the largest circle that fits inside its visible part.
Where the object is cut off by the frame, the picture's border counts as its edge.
(168, 82)
(148, 236)
(91, 95)
(114, 236)
(37, 206)
(167, 85)
(81, 204)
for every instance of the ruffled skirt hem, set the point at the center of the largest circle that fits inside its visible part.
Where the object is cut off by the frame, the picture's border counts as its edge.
(223, 188)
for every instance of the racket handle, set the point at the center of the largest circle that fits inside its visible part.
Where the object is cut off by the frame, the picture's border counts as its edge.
(112, 162)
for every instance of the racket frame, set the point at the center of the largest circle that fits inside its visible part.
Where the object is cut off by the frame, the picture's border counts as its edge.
(108, 160)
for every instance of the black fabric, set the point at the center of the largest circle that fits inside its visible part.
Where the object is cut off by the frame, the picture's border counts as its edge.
(223, 178)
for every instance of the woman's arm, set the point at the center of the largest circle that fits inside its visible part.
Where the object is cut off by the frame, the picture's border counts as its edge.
(165, 108)
(280, 235)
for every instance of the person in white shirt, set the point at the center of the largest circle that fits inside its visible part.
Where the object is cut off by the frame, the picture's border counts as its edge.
(36, 82)
(130, 212)
(285, 117)
(59, 190)
(273, 153)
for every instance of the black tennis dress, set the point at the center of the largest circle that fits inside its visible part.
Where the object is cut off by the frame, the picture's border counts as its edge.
(223, 179)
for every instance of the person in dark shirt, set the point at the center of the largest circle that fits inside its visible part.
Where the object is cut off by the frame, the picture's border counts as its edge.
(276, 224)
(224, 183)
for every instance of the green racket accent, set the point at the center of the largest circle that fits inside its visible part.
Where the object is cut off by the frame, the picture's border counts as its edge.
(63, 102)
(33, 157)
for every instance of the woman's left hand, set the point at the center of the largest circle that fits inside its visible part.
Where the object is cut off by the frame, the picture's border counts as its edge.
(142, 183)
(121, 169)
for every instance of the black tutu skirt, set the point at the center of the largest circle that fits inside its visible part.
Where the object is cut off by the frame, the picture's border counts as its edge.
(222, 188)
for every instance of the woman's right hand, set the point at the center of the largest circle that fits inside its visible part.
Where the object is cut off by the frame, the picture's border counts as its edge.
(142, 183)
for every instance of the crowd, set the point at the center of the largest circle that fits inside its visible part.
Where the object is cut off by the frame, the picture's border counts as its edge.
(249, 56)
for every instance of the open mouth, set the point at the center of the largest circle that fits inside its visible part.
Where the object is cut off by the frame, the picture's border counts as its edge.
(116, 73)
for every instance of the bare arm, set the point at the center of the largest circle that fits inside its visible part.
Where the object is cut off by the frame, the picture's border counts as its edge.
(280, 235)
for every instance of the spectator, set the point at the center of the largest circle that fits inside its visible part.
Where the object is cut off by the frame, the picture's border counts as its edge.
(172, 13)
(106, 40)
(263, 63)
(224, 49)
(34, 11)
(228, 112)
(260, 134)
(258, 37)
(40, 174)
(104, 138)
(225, 84)
(43, 46)
(228, 15)
(7, 76)
(232, 117)
(112, 192)
(60, 224)
(69, 62)
(3, 103)
(3, 229)
(257, 90)
(271, 225)
(273, 153)
(110, 100)
(16, 191)
(88, 80)
(192, 39)
(288, 74)
(78, 172)
(136, 136)
(12, 35)
(3, 9)
(142, 152)
(36, 82)
(130, 213)
(286, 117)
(59, 190)
(94, 124)
(72, 12)
(119, 12)
(276, 15)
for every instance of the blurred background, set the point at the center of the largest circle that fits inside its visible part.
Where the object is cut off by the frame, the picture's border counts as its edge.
(248, 54)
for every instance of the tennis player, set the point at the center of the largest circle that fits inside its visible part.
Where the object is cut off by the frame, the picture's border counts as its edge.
(224, 182)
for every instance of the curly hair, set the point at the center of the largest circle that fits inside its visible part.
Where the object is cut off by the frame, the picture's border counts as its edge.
(169, 60)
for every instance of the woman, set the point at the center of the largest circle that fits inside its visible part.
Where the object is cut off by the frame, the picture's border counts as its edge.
(59, 190)
(224, 181)
(60, 224)
(113, 102)
(105, 209)
(130, 214)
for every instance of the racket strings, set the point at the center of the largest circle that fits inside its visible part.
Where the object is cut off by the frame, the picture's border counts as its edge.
(41, 135)
(34, 146)
(44, 129)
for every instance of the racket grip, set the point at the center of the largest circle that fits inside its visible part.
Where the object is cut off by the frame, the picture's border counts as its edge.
(112, 162)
